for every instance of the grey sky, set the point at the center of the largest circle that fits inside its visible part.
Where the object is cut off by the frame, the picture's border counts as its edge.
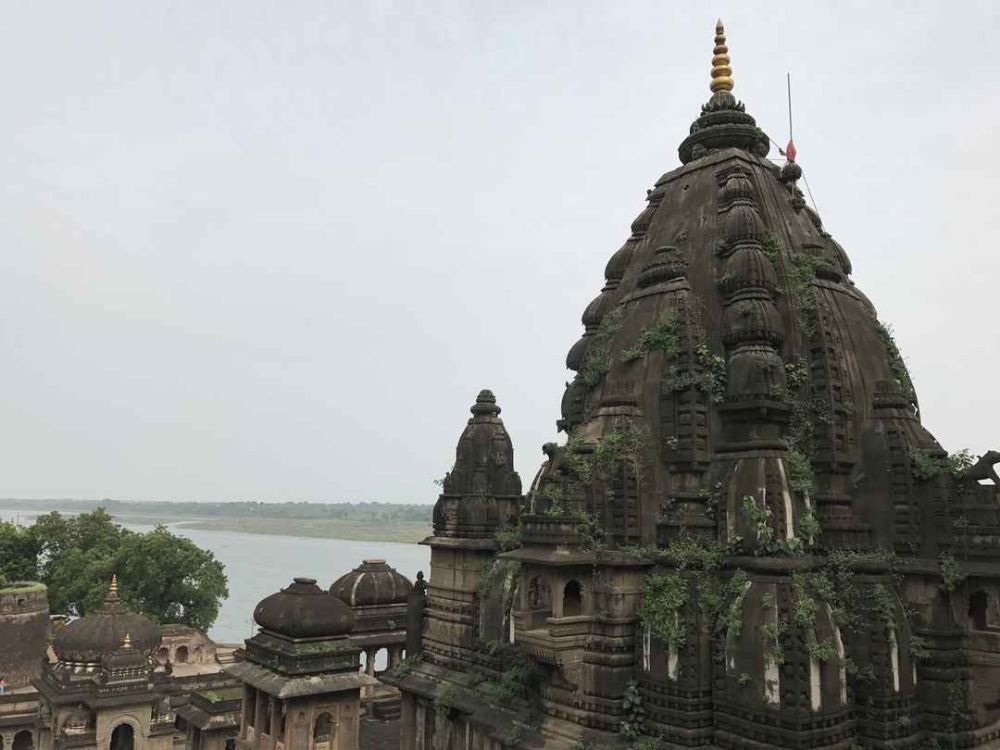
(273, 250)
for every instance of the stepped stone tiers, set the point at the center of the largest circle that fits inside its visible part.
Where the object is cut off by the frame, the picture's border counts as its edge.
(748, 539)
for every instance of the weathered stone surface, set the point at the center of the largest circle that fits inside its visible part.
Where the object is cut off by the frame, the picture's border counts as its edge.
(748, 531)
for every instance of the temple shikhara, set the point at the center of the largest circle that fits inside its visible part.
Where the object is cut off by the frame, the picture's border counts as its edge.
(747, 539)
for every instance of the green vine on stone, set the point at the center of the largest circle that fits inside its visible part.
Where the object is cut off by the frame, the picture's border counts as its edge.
(896, 362)
(663, 337)
(632, 724)
(952, 573)
(664, 597)
(598, 359)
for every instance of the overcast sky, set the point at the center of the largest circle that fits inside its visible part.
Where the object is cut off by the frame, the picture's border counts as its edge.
(273, 250)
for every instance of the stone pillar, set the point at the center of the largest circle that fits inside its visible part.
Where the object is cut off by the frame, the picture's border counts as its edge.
(416, 602)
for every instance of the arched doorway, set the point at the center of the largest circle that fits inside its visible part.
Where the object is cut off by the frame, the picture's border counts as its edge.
(572, 599)
(181, 655)
(23, 740)
(978, 605)
(323, 729)
(163, 655)
(123, 737)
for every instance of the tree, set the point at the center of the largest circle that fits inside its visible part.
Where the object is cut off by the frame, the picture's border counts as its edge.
(18, 554)
(171, 579)
(165, 577)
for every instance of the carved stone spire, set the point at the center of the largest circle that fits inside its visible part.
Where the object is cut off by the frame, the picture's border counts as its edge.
(482, 491)
(724, 122)
(722, 73)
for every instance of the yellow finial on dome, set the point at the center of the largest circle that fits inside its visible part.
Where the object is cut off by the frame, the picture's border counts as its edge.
(114, 583)
(127, 641)
(722, 74)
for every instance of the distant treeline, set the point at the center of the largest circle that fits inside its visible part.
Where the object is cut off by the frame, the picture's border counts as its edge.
(241, 509)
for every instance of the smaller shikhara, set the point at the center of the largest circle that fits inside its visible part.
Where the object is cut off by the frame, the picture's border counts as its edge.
(748, 539)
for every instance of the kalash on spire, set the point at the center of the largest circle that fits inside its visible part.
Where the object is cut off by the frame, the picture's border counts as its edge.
(747, 539)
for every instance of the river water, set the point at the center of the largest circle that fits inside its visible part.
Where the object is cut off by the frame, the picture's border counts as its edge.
(260, 564)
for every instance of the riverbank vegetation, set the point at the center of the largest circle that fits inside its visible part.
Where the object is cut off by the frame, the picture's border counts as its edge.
(166, 577)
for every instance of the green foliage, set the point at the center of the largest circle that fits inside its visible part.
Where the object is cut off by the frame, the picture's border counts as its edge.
(822, 651)
(918, 647)
(805, 605)
(732, 619)
(800, 272)
(362, 512)
(625, 443)
(952, 573)
(520, 678)
(508, 538)
(445, 698)
(663, 337)
(590, 531)
(167, 578)
(957, 463)
(497, 575)
(800, 472)
(709, 376)
(631, 724)
(923, 465)
(406, 666)
(762, 520)
(598, 360)
(896, 362)
(663, 599)
(19, 550)
(809, 526)
(772, 634)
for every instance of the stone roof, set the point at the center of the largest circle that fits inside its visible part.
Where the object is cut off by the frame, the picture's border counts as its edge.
(304, 610)
(374, 582)
(101, 632)
(282, 686)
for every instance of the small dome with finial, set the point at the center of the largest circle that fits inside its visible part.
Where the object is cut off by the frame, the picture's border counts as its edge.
(89, 638)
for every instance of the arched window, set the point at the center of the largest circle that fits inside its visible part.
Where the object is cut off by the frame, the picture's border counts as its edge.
(23, 740)
(572, 599)
(163, 655)
(978, 604)
(181, 655)
(123, 737)
(323, 728)
(381, 659)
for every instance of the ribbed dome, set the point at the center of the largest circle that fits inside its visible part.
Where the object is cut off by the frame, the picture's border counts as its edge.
(304, 610)
(102, 631)
(373, 582)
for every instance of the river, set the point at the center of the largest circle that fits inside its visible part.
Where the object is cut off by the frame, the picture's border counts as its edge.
(260, 564)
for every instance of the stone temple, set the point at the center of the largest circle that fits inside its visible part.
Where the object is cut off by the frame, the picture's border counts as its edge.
(748, 539)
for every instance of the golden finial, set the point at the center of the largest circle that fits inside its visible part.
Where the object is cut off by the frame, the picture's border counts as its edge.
(127, 641)
(114, 583)
(722, 74)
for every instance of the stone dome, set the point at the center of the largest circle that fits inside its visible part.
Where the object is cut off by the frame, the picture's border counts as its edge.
(371, 583)
(304, 610)
(91, 637)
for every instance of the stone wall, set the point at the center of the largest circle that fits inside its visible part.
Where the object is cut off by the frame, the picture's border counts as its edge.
(24, 629)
